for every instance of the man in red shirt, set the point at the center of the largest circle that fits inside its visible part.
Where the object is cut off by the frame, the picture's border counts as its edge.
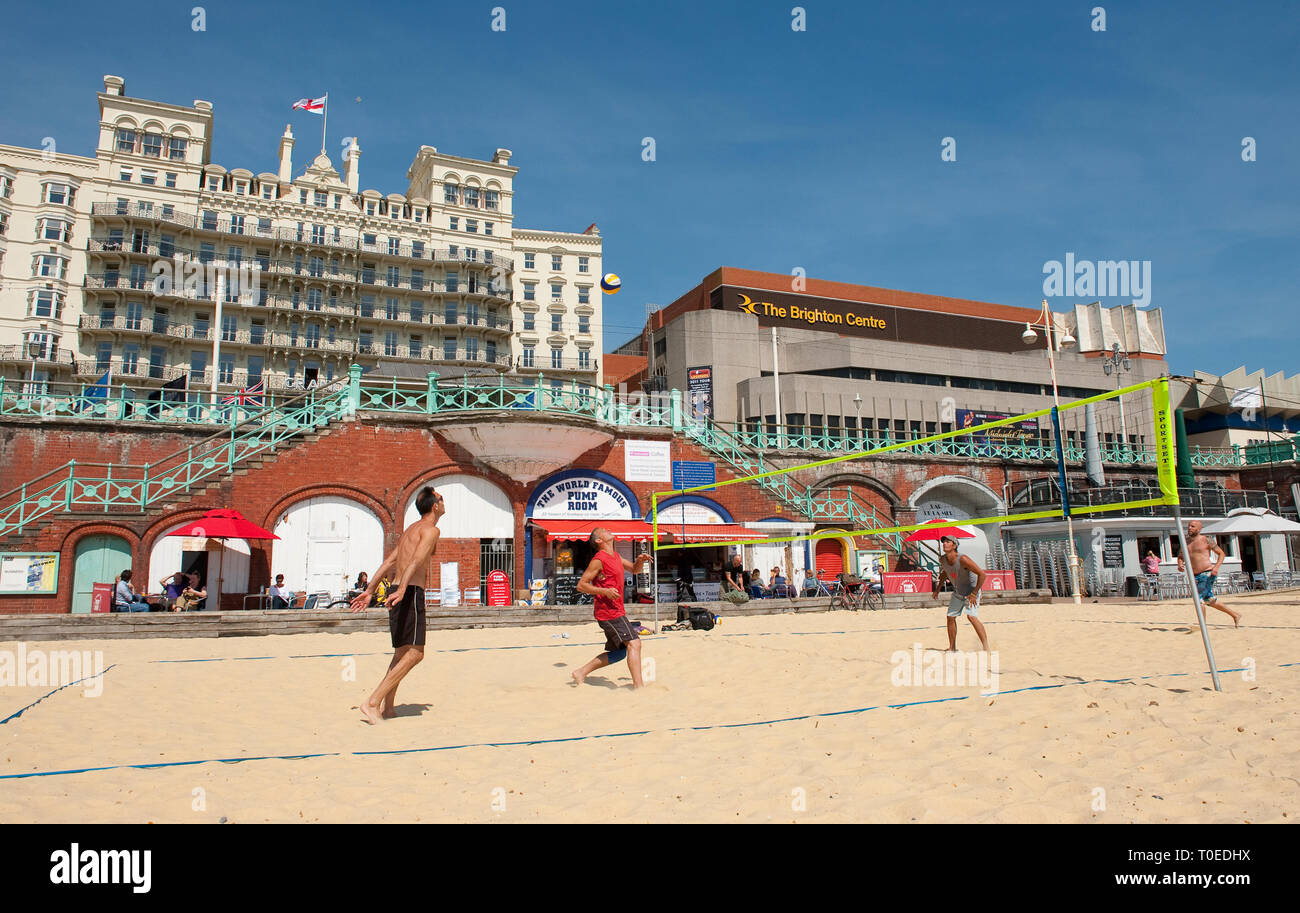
(604, 580)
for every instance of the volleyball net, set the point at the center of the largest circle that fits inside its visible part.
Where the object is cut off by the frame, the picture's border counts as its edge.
(1076, 443)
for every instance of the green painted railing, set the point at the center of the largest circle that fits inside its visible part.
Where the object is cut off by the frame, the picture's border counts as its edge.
(103, 487)
(1021, 449)
(130, 403)
(1272, 452)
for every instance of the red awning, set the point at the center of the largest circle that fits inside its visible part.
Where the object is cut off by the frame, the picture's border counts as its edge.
(707, 532)
(623, 530)
(641, 531)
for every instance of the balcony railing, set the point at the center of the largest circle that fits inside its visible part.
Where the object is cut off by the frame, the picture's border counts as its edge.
(228, 224)
(1045, 494)
(140, 369)
(27, 354)
(568, 365)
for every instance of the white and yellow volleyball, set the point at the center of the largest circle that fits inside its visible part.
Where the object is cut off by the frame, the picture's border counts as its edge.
(610, 283)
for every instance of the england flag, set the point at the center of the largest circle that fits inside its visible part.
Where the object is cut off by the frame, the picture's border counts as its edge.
(315, 105)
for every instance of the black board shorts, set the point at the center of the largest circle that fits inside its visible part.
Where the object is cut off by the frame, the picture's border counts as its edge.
(406, 619)
(618, 631)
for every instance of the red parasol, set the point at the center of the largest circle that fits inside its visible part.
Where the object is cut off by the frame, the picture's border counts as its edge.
(223, 524)
(936, 530)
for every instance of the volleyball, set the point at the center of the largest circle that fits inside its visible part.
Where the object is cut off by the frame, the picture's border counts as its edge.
(610, 283)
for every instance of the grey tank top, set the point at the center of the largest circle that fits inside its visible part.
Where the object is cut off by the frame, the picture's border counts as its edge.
(963, 581)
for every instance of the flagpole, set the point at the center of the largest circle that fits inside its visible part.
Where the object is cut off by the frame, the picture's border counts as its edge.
(325, 119)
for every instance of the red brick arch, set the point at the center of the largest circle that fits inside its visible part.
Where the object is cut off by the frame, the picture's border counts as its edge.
(306, 493)
(68, 555)
(454, 469)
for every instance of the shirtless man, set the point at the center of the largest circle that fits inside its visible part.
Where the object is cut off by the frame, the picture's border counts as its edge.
(408, 561)
(1198, 549)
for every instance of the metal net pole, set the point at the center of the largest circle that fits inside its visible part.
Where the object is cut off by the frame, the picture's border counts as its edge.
(1196, 598)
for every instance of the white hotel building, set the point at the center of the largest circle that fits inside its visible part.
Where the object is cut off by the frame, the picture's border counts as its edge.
(436, 279)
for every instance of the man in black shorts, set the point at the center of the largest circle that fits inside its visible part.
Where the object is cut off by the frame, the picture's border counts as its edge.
(405, 603)
(603, 579)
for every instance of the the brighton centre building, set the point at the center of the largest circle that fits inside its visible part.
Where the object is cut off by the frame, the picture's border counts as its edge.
(858, 365)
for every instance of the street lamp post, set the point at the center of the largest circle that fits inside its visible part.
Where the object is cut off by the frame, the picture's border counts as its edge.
(1118, 363)
(1054, 340)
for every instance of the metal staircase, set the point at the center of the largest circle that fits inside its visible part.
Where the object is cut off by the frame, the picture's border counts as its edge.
(124, 488)
(822, 506)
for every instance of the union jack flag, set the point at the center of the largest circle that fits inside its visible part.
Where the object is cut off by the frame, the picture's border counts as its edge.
(248, 396)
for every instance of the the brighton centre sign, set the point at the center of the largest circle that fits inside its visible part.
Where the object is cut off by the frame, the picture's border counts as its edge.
(875, 321)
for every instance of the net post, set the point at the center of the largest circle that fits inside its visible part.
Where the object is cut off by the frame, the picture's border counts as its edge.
(654, 548)
(1196, 598)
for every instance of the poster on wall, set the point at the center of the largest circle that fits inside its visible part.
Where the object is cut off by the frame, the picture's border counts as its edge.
(699, 392)
(693, 473)
(29, 572)
(647, 461)
(1026, 429)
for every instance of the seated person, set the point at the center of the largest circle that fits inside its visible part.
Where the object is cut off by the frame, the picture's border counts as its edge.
(811, 585)
(1151, 564)
(172, 587)
(778, 586)
(756, 587)
(193, 596)
(124, 596)
(280, 596)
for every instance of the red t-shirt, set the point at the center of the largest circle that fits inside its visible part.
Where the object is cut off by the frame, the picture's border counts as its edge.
(610, 575)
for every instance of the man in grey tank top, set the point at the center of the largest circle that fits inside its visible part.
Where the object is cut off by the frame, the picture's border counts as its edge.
(967, 581)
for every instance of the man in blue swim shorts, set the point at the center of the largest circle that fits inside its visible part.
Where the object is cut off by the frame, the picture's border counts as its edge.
(1206, 568)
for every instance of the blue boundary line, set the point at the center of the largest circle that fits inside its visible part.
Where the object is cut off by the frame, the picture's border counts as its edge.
(14, 716)
(604, 735)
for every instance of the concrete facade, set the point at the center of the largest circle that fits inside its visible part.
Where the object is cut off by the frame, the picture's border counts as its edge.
(294, 272)
(908, 387)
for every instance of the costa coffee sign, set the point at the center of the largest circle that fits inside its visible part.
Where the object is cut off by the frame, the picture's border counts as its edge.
(875, 321)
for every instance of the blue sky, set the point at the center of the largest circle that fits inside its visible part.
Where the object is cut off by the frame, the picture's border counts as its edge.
(776, 149)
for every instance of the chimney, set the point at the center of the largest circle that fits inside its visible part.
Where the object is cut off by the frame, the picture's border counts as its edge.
(114, 85)
(352, 166)
(502, 157)
(286, 156)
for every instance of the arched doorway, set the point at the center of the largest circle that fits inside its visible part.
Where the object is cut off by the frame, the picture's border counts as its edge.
(829, 556)
(325, 542)
(478, 527)
(957, 498)
(98, 559)
(222, 564)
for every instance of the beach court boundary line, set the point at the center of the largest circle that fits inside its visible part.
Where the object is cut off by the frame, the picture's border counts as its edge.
(155, 765)
(16, 715)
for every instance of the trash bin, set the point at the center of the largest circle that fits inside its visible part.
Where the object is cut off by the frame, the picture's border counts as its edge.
(1131, 588)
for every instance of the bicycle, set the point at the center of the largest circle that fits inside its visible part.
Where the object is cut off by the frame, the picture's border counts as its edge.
(855, 593)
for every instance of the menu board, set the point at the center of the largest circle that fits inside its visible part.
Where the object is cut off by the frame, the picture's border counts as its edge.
(1112, 554)
(29, 572)
(566, 589)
